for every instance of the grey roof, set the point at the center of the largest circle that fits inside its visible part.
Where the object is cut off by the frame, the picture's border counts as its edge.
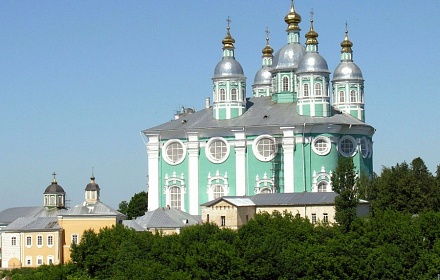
(96, 209)
(291, 199)
(54, 188)
(167, 218)
(261, 112)
(9, 215)
(133, 224)
(312, 62)
(31, 223)
(228, 67)
(347, 71)
(234, 200)
(288, 57)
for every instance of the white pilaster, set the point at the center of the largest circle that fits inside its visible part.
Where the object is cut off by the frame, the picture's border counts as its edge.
(288, 148)
(193, 173)
(240, 163)
(153, 171)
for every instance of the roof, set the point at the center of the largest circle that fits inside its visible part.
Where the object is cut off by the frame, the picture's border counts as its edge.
(96, 209)
(166, 218)
(261, 112)
(9, 215)
(31, 223)
(132, 224)
(277, 199)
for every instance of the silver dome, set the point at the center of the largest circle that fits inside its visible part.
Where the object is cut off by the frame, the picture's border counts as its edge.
(347, 70)
(263, 76)
(312, 63)
(288, 56)
(228, 67)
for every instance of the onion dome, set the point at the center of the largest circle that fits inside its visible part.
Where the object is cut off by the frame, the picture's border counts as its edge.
(54, 188)
(292, 19)
(92, 186)
(312, 61)
(347, 69)
(289, 56)
(263, 76)
(228, 66)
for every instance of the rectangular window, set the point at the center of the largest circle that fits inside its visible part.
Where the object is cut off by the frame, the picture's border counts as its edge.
(39, 240)
(50, 240)
(14, 241)
(223, 221)
(325, 218)
(247, 218)
(207, 218)
(39, 261)
(74, 239)
(313, 218)
(28, 260)
(29, 241)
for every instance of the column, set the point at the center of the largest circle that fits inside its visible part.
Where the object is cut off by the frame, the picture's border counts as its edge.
(153, 172)
(288, 148)
(193, 173)
(240, 163)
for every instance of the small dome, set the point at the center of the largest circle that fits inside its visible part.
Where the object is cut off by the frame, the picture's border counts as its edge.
(228, 67)
(312, 63)
(263, 76)
(288, 56)
(92, 186)
(54, 188)
(347, 70)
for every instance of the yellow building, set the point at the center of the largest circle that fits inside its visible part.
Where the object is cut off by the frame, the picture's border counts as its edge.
(233, 211)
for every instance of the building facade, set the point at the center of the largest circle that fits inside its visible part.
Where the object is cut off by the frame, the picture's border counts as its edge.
(286, 138)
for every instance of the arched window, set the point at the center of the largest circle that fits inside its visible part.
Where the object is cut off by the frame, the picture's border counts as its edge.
(222, 94)
(285, 83)
(175, 197)
(306, 90)
(243, 95)
(234, 94)
(341, 97)
(318, 89)
(265, 190)
(353, 96)
(322, 186)
(217, 191)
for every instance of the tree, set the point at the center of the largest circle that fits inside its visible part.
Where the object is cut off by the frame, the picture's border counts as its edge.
(345, 184)
(137, 206)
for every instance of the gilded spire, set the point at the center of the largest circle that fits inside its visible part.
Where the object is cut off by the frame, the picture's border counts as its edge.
(346, 44)
(311, 35)
(267, 50)
(292, 19)
(228, 41)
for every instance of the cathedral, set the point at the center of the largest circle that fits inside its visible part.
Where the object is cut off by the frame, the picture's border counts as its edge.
(286, 138)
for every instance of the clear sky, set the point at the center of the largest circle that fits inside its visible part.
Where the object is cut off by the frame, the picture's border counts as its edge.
(79, 80)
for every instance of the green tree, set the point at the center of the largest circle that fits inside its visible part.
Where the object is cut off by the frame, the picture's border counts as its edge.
(137, 206)
(345, 184)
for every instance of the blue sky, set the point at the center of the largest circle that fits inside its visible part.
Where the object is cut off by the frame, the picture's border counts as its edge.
(79, 80)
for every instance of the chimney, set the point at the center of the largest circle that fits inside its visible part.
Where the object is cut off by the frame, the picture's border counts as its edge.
(207, 103)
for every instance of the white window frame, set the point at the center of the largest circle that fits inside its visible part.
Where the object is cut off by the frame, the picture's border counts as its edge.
(222, 94)
(306, 90)
(28, 261)
(285, 83)
(318, 89)
(353, 141)
(313, 218)
(51, 238)
(341, 96)
(73, 237)
(165, 154)
(353, 97)
(325, 217)
(28, 238)
(180, 197)
(365, 153)
(14, 241)
(327, 149)
(39, 241)
(234, 94)
(50, 260)
(212, 157)
(39, 260)
(257, 154)
(326, 186)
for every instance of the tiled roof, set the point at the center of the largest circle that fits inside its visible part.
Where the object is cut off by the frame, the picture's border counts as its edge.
(167, 218)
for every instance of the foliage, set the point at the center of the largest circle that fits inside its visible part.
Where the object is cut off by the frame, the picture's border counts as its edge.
(137, 206)
(345, 184)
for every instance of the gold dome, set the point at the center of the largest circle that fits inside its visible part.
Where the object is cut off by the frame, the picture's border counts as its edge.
(228, 41)
(267, 50)
(311, 35)
(292, 19)
(346, 44)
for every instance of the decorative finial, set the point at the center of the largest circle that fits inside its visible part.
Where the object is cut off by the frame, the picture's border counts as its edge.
(346, 44)
(93, 176)
(311, 35)
(311, 15)
(267, 51)
(267, 34)
(292, 19)
(54, 177)
(228, 41)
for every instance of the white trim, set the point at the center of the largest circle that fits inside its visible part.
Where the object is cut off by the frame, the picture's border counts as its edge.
(328, 145)
(289, 163)
(153, 171)
(367, 147)
(209, 154)
(165, 154)
(354, 142)
(217, 180)
(240, 163)
(257, 153)
(36, 241)
(47, 240)
(193, 173)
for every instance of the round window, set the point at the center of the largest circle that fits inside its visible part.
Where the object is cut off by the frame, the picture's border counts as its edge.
(321, 145)
(347, 146)
(174, 152)
(265, 147)
(365, 147)
(217, 150)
